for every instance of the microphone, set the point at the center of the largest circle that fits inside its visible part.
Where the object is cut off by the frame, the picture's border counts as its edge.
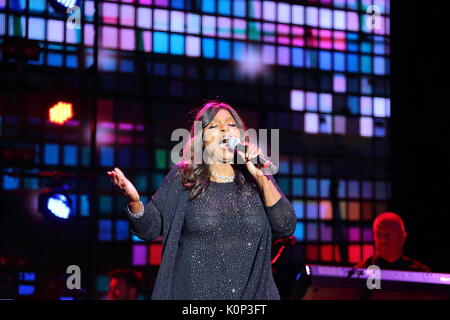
(235, 144)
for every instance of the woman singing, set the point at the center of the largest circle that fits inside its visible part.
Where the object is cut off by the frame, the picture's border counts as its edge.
(217, 218)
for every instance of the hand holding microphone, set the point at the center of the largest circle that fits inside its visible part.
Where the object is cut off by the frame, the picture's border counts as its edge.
(251, 154)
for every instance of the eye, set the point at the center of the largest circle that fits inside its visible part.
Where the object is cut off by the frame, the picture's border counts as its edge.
(232, 124)
(212, 127)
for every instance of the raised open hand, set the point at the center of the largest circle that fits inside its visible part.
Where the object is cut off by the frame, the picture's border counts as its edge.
(120, 181)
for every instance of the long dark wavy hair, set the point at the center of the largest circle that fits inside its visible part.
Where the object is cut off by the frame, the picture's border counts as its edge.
(196, 177)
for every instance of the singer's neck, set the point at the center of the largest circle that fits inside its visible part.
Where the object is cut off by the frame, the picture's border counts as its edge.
(222, 169)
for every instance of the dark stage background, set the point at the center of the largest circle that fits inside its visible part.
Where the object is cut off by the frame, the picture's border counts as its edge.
(419, 155)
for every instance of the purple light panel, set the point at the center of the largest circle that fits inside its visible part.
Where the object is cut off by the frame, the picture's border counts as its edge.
(139, 255)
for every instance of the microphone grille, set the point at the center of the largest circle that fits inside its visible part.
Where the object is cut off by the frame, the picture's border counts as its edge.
(233, 142)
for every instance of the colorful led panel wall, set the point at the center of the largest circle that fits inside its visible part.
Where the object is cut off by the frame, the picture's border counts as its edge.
(316, 69)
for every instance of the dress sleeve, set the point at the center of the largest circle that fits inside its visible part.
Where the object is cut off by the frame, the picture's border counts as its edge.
(148, 223)
(281, 215)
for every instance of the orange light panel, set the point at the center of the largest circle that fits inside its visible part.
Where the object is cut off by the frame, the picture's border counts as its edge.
(61, 112)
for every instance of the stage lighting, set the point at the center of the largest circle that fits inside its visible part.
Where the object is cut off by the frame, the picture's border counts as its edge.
(62, 5)
(55, 205)
(61, 112)
(252, 63)
(58, 205)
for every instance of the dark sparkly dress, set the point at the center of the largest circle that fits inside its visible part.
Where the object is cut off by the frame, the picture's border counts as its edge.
(216, 246)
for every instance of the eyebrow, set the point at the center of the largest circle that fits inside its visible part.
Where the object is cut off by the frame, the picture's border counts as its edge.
(227, 119)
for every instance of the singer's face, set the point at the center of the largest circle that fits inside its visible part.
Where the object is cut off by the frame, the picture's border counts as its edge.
(223, 125)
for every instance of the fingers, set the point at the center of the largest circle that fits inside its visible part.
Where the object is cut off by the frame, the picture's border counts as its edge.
(111, 174)
(117, 177)
(120, 176)
(251, 151)
(119, 173)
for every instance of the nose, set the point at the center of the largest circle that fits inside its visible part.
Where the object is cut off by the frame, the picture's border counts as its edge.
(223, 128)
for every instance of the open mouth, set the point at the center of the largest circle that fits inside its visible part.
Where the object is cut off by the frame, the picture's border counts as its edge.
(223, 143)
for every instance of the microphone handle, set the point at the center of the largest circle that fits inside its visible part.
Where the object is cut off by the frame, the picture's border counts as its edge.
(260, 160)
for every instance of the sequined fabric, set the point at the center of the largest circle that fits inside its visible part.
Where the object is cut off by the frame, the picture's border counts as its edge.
(214, 247)
(220, 238)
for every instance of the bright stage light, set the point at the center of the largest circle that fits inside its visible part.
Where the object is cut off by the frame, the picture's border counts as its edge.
(62, 5)
(53, 204)
(67, 3)
(252, 64)
(61, 112)
(58, 205)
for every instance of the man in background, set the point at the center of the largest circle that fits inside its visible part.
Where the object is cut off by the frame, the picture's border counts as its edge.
(390, 236)
(124, 284)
